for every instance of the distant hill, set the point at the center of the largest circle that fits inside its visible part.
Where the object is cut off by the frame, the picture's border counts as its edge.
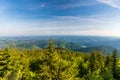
(104, 49)
(76, 43)
(44, 43)
(66, 45)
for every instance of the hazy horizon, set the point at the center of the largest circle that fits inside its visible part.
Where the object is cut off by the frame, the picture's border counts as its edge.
(109, 36)
(60, 17)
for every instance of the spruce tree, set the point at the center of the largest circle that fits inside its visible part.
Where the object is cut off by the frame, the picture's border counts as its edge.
(114, 65)
(51, 45)
(4, 59)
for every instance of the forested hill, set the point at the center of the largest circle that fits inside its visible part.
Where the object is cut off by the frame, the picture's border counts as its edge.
(83, 46)
(66, 45)
(76, 43)
(54, 63)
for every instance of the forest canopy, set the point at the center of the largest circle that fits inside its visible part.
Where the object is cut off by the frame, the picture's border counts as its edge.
(54, 63)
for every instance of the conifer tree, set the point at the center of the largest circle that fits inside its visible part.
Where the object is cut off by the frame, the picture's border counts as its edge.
(114, 65)
(51, 45)
(96, 62)
(4, 59)
(94, 65)
(108, 61)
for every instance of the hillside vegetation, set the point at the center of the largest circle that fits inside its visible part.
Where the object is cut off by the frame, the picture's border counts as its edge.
(54, 63)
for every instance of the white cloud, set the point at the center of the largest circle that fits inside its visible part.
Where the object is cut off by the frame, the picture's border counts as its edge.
(112, 3)
(61, 25)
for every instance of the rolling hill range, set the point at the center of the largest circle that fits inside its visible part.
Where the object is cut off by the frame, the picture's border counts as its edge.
(77, 43)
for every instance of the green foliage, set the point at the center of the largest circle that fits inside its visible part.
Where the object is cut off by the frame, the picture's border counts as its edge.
(51, 45)
(4, 60)
(97, 62)
(108, 62)
(107, 75)
(55, 63)
(115, 69)
(93, 76)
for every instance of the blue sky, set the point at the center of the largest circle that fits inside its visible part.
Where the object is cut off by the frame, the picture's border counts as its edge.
(59, 17)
